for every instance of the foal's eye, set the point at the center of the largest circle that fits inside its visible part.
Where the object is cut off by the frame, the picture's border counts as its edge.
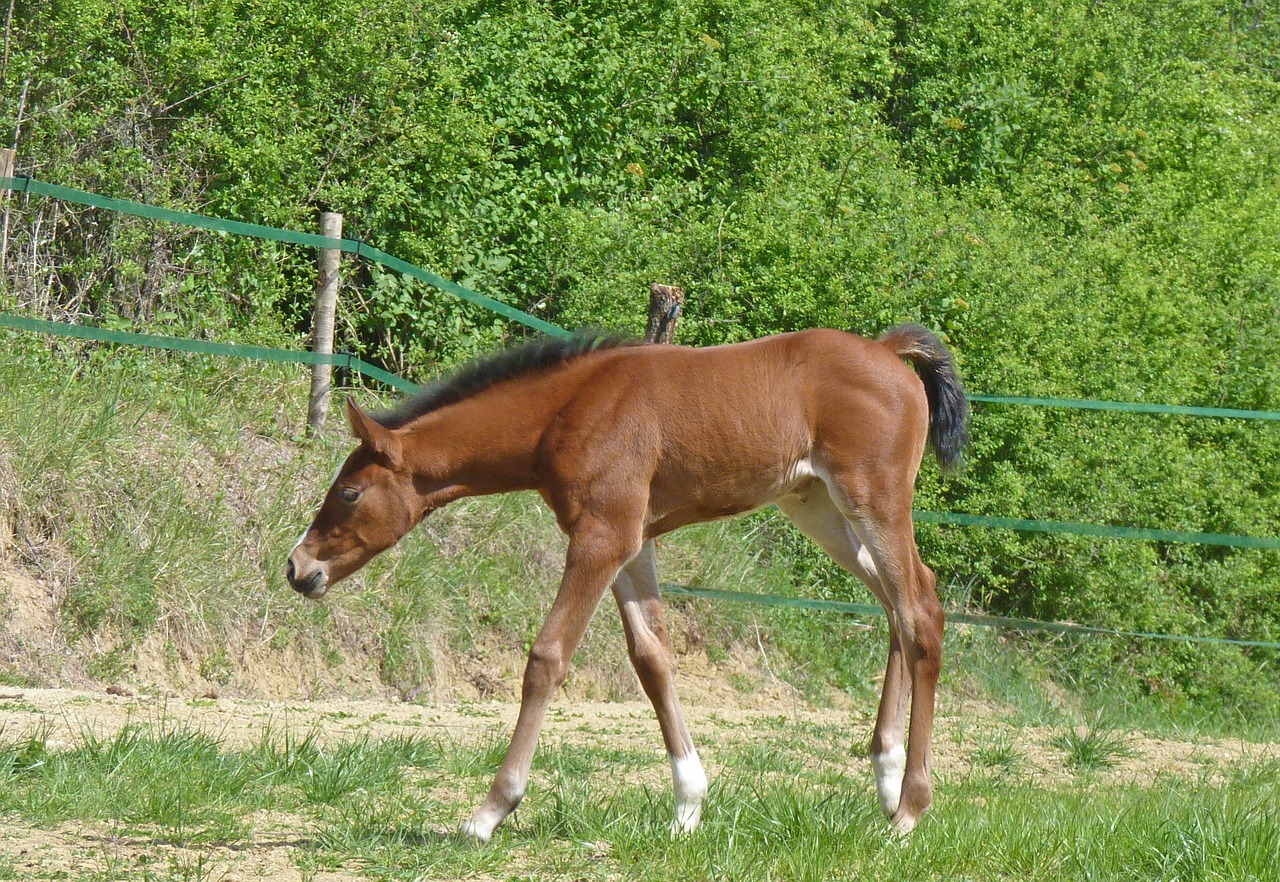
(349, 495)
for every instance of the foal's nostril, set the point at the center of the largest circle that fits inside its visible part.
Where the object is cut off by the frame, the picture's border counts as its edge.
(290, 571)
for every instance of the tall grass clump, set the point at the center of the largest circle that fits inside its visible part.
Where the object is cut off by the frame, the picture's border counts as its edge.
(1093, 749)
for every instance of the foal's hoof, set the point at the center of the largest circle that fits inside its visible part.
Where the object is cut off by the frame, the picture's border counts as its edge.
(473, 833)
(686, 820)
(903, 822)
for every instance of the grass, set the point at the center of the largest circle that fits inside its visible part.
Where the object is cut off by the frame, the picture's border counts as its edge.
(1092, 749)
(1000, 756)
(387, 808)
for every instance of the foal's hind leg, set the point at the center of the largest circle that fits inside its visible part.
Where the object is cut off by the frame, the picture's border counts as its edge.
(881, 518)
(815, 515)
(636, 590)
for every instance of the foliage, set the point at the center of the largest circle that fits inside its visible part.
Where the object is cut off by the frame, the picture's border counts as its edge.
(1081, 197)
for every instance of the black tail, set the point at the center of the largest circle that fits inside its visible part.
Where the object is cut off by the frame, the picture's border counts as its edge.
(948, 407)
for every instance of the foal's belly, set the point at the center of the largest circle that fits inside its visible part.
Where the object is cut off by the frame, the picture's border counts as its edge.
(692, 498)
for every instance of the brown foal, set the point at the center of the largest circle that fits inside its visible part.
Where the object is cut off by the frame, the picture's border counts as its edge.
(626, 442)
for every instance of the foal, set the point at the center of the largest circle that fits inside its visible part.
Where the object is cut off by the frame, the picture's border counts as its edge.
(626, 442)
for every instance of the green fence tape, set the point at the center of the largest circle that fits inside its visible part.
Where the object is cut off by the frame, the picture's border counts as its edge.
(374, 372)
(185, 218)
(205, 347)
(258, 231)
(179, 344)
(775, 600)
(1100, 530)
(457, 290)
(976, 619)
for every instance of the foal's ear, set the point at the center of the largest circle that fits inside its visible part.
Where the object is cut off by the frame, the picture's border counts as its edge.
(373, 434)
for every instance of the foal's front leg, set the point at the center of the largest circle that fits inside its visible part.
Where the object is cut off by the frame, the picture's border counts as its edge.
(648, 644)
(593, 560)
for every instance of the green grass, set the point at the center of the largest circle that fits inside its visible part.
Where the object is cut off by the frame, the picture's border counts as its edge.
(387, 808)
(1000, 756)
(1092, 749)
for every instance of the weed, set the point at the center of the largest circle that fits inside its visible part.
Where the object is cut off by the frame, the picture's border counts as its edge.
(18, 679)
(1093, 749)
(18, 706)
(481, 755)
(216, 667)
(1000, 756)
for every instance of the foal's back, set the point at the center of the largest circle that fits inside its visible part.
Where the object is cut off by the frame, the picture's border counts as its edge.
(717, 431)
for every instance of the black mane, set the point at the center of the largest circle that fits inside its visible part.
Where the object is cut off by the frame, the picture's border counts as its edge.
(490, 370)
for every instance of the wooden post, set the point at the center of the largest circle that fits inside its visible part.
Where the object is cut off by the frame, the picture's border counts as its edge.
(6, 168)
(7, 155)
(330, 262)
(665, 302)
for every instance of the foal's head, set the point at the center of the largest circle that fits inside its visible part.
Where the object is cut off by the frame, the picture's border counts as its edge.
(371, 504)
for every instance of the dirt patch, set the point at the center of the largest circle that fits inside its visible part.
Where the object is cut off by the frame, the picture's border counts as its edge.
(254, 668)
(77, 850)
(30, 639)
(27, 605)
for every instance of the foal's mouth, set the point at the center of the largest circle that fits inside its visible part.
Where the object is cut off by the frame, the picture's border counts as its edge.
(313, 586)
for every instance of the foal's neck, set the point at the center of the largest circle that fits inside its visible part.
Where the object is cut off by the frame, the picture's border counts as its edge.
(481, 445)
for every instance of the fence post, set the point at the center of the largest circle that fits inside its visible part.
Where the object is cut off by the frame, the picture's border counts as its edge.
(330, 262)
(665, 302)
(6, 168)
(7, 155)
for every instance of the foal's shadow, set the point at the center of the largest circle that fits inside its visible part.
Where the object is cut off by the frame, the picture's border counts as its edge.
(143, 840)
(412, 838)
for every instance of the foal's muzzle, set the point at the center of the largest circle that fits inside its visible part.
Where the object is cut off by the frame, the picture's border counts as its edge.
(311, 584)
